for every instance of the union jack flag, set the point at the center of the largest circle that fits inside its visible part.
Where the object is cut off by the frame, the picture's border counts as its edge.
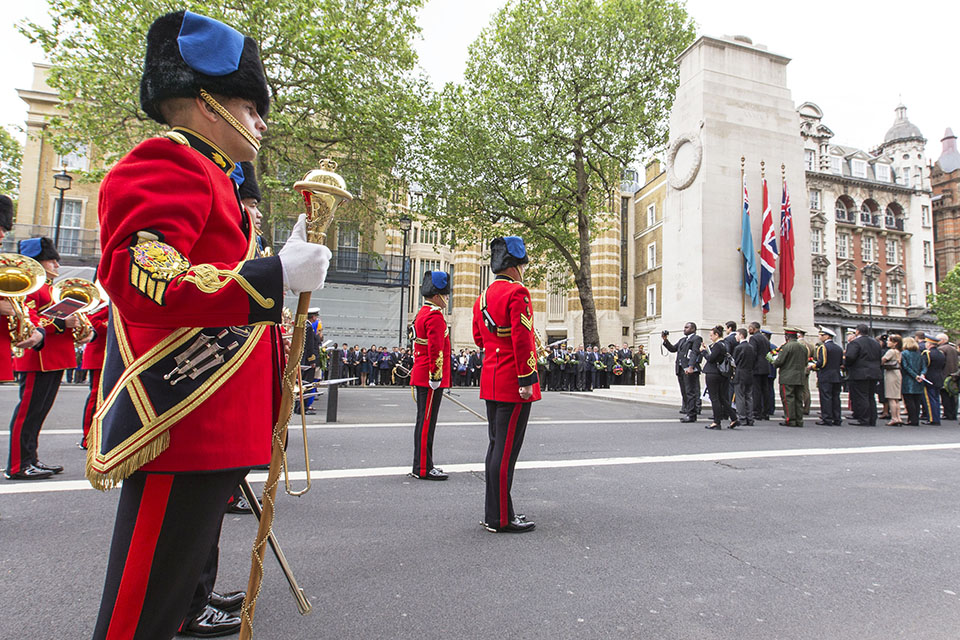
(787, 247)
(768, 252)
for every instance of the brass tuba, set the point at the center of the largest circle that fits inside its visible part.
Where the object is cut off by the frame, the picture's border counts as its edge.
(84, 291)
(19, 277)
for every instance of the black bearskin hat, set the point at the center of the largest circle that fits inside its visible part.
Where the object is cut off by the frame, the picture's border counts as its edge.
(249, 188)
(187, 52)
(507, 252)
(435, 283)
(6, 213)
(39, 248)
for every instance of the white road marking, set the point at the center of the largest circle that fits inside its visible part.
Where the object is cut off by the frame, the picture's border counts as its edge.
(43, 486)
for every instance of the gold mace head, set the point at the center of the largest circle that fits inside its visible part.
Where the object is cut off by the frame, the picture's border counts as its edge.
(323, 190)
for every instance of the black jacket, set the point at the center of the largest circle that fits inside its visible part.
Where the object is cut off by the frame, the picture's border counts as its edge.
(687, 350)
(744, 356)
(862, 359)
(761, 347)
(829, 359)
(715, 356)
(731, 341)
(936, 362)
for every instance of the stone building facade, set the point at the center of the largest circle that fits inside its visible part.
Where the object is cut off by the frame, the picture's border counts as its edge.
(871, 227)
(648, 203)
(945, 184)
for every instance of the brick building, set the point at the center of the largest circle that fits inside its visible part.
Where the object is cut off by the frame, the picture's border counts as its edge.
(945, 183)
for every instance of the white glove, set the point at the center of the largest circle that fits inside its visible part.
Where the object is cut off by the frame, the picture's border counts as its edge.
(434, 384)
(304, 264)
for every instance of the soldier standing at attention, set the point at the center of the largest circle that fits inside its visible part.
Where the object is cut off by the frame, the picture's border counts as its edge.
(503, 327)
(791, 359)
(193, 333)
(827, 362)
(431, 370)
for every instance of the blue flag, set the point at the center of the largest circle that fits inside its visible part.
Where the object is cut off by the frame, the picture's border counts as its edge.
(750, 283)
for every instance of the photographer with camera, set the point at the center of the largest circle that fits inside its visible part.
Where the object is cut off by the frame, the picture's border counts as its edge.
(688, 353)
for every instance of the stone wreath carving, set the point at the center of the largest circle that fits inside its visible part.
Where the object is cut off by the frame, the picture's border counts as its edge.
(682, 177)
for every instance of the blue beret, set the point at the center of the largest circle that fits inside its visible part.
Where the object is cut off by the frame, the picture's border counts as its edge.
(237, 174)
(440, 279)
(209, 46)
(515, 247)
(31, 247)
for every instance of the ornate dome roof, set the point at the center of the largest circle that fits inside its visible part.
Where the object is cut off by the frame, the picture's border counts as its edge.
(902, 128)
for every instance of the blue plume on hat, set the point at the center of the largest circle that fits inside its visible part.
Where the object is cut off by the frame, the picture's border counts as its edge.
(39, 248)
(435, 283)
(237, 175)
(31, 247)
(440, 279)
(208, 45)
(507, 252)
(515, 246)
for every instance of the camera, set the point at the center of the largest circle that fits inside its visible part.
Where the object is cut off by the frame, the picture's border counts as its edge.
(664, 333)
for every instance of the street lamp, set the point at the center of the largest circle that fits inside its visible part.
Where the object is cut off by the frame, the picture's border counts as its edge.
(61, 182)
(405, 224)
(870, 272)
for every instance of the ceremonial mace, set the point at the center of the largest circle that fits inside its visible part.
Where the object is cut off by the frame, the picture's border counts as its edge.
(323, 192)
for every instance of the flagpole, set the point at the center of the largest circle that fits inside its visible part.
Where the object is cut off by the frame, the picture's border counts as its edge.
(783, 182)
(763, 176)
(743, 264)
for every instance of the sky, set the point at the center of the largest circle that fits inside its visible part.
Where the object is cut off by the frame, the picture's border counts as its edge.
(856, 60)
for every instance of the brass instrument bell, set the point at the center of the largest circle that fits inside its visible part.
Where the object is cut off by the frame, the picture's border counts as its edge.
(19, 277)
(84, 291)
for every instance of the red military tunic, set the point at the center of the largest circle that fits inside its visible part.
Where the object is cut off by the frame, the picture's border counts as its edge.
(431, 348)
(509, 352)
(93, 351)
(6, 351)
(178, 252)
(57, 352)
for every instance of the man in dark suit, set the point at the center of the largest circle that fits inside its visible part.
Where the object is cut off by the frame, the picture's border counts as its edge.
(731, 341)
(862, 362)
(592, 357)
(687, 368)
(933, 379)
(761, 372)
(475, 366)
(744, 357)
(609, 359)
(950, 366)
(828, 360)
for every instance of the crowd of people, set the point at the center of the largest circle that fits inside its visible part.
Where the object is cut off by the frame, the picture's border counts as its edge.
(911, 379)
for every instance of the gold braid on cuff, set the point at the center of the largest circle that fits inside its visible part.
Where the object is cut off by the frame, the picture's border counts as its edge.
(233, 122)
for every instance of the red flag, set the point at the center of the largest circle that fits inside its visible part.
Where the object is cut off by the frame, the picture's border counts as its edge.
(768, 252)
(786, 247)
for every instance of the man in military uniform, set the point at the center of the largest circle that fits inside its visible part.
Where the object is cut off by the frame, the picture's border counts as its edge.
(811, 353)
(431, 370)
(933, 378)
(687, 369)
(6, 309)
(503, 326)
(791, 359)
(828, 361)
(192, 331)
(48, 353)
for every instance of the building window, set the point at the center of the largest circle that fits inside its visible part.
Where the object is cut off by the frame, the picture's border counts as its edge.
(77, 160)
(893, 251)
(925, 215)
(809, 159)
(652, 300)
(557, 306)
(893, 294)
(843, 246)
(868, 248)
(816, 241)
(818, 286)
(843, 289)
(903, 176)
(836, 165)
(927, 253)
(814, 199)
(882, 172)
(928, 287)
(858, 168)
(415, 299)
(840, 210)
(348, 248)
(652, 255)
(71, 226)
(651, 215)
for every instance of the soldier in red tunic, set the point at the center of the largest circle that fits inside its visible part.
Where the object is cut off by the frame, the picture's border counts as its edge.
(431, 370)
(193, 336)
(503, 328)
(6, 309)
(93, 362)
(41, 366)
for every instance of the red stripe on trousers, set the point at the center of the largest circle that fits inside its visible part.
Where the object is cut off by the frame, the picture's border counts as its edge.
(15, 462)
(136, 570)
(424, 432)
(505, 465)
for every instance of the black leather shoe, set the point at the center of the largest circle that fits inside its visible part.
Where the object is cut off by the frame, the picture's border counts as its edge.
(688, 419)
(210, 623)
(29, 472)
(713, 426)
(514, 526)
(228, 602)
(932, 424)
(823, 422)
(790, 424)
(433, 474)
(240, 505)
(53, 468)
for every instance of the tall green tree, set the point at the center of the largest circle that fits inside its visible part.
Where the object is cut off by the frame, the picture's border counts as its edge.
(946, 302)
(11, 157)
(559, 97)
(341, 73)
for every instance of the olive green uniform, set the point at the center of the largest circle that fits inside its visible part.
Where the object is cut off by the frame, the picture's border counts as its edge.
(792, 362)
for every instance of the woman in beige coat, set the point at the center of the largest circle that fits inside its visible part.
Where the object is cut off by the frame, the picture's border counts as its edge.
(892, 378)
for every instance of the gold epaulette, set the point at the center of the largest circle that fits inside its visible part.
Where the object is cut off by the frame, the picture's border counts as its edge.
(176, 136)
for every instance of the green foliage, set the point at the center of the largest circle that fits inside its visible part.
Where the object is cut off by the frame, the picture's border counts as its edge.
(11, 157)
(559, 97)
(946, 302)
(340, 72)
